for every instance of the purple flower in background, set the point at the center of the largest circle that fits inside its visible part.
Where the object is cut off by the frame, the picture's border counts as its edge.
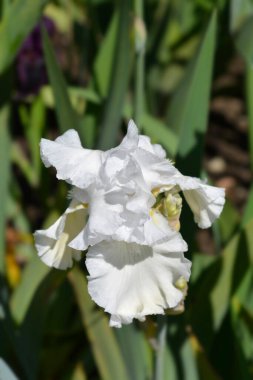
(30, 66)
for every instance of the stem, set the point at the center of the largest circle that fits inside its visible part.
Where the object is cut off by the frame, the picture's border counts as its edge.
(161, 338)
(139, 65)
(119, 80)
(5, 177)
(249, 90)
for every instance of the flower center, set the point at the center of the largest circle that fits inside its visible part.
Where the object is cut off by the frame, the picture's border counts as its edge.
(169, 204)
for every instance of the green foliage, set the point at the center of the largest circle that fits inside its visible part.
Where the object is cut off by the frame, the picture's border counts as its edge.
(4, 165)
(102, 339)
(12, 34)
(189, 107)
(103, 68)
(66, 115)
(119, 77)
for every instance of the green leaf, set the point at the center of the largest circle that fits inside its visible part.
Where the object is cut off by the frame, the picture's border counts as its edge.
(104, 345)
(32, 329)
(78, 97)
(205, 369)
(161, 351)
(248, 211)
(228, 222)
(211, 301)
(200, 263)
(189, 108)
(249, 102)
(160, 133)
(4, 183)
(104, 60)
(33, 275)
(156, 130)
(136, 352)
(118, 81)
(189, 362)
(66, 116)
(19, 19)
(239, 11)
(18, 157)
(243, 298)
(170, 368)
(79, 373)
(242, 321)
(34, 131)
(244, 42)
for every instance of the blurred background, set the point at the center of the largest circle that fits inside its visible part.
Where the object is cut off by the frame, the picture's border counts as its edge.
(183, 70)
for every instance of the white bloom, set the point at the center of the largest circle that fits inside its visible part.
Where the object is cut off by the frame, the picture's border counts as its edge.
(120, 188)
(131, 281)
(125, 210)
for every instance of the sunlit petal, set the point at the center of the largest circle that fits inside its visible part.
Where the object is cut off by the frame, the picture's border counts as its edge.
(52, 243)
(73, 163)
(132, 281)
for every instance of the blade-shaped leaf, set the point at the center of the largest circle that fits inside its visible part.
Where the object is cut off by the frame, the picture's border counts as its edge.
(189, 108)
(104, 59)
(34, 131)
(248, 211)
(4, 169)
(32, 329)
(67, 117)
(136, 352)
(244, 42)
(242, 321)
(102, 339)
(119, 80)
(249, 98)
(212, 301)
(26, 14)
(228, 222)
(239, 11)
(32, 277)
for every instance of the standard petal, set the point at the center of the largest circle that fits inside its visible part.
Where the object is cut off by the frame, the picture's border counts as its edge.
(156, 149)
(132, 281)
(74, 164)
(52, 244)
(130, 141)
(104, 219)
(155, 170)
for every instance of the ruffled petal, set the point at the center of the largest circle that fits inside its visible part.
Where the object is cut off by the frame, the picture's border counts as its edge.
(52, 244)
(155, 170)
(132, 281)
(205, 201)
(130, 141)
(156, 149)
(73, 163)
(104, 219)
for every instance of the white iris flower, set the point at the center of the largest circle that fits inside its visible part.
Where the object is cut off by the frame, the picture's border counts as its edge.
(125, 209)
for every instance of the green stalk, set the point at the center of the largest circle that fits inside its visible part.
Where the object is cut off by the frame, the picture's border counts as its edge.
(160, 354)
(139, 63)
(249, 91)
(119, 80)
(5, 176)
